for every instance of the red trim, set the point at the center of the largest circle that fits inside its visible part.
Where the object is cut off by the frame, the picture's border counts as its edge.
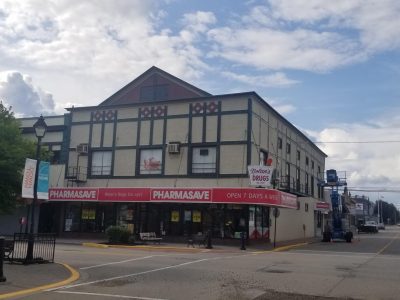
(177, 195)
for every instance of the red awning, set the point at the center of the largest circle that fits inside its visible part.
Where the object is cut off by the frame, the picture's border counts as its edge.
(268, 197)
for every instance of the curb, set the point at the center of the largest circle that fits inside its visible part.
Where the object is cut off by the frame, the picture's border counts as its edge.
(73, 277)
(189, 249)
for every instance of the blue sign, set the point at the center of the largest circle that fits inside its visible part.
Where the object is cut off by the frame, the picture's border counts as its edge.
(43, 180)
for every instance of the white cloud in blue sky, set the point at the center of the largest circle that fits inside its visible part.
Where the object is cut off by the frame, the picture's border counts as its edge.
(333, 62)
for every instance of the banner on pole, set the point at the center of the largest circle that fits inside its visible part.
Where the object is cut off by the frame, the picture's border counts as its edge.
(28, 180)
(43, 181)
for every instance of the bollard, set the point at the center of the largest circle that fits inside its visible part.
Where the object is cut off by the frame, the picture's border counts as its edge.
(209, 246)
(242, 237)
(2, 277)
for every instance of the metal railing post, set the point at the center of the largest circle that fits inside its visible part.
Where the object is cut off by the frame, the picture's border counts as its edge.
(2, 277)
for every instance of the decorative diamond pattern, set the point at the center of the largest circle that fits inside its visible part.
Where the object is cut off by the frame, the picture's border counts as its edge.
(197, 108)
(109, 115)
(158, 111)
(145, 112)
(98, 115)
(212, 107)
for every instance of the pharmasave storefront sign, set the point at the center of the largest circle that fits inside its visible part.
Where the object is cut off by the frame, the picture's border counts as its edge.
(177, 195)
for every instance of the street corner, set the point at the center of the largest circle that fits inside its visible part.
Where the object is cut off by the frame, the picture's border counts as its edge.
(22, 280)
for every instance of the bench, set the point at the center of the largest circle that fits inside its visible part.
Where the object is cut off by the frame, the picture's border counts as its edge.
(150, 236)
(8, 248)
(198, 239)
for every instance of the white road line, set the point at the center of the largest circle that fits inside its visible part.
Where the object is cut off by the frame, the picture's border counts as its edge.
(129, 275)
(109, 295)
(119, 262)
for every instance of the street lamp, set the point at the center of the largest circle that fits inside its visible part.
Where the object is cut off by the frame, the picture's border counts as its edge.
(40, 128)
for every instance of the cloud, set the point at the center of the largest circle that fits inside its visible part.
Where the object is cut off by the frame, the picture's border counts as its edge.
(26, 99)
(276, 79)
(309, 35)
(369, 153)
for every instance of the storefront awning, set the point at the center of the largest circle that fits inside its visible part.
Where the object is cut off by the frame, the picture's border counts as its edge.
(268, 197)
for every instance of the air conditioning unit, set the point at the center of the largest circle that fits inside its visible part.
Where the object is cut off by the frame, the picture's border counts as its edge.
(82, 148)
(174, 148)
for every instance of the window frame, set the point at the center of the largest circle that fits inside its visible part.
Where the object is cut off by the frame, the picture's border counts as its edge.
(141, 171)
(214, 161)
(102, 173)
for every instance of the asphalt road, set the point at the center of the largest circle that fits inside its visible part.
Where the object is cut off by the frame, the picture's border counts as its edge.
(368, 268)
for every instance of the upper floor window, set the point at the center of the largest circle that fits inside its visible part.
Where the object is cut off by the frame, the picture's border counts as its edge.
(298, 154)
(263, 158)
(154, 92)
(101, 163)
(312, 164)
(204, 160)
(307, 160)
(279, 143)
(151, 161)
(287, 147)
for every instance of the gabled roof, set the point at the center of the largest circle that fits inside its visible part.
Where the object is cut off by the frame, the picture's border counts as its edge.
(154, 85)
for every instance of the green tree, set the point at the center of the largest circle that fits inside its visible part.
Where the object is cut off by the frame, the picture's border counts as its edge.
(13, 151)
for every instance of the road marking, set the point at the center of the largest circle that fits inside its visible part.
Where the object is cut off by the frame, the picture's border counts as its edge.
(119, 262)
(131, 275)
(109, 295)
(388, 244)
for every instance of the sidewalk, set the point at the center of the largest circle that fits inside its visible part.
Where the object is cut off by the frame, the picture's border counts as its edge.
(27, 279)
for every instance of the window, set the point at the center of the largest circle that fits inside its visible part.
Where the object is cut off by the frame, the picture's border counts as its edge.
(279, 143)
(306, 206)
(151, 161)
(287, 148)
(154, 92)
(307, 160)
(101, 163)
(319, 171)
(263, 158)
(306, 190)
(204, 160)
(298, 154)
(312, 164)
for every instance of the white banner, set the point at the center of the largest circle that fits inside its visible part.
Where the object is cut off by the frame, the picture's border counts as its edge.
(29, 178)
(359, 206)
(260, 175)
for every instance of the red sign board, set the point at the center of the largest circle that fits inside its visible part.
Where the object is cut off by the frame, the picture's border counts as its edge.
(322, 206)
(178, 195)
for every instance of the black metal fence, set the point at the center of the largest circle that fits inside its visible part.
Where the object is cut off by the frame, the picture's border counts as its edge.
(43, 248)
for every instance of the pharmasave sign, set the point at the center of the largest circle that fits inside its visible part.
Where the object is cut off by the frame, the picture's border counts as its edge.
(177, 195)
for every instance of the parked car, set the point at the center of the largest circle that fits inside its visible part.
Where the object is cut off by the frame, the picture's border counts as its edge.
(381, 226)
(368, 226)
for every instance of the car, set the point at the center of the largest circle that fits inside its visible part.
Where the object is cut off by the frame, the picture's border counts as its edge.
(381, 226)
(368, 226)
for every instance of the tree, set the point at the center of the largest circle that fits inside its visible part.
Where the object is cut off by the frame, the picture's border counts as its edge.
(13, 151)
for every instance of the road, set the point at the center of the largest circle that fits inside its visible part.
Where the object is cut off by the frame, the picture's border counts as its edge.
(368, 268)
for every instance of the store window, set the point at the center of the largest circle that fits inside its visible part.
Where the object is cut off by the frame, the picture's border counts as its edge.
(204, 160)
(101, 163)
(151, 161)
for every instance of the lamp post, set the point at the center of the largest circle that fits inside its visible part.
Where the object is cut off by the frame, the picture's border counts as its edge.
(40, 128)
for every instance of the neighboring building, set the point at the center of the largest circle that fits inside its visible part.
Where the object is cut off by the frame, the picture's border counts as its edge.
(162, 155)
(364, 209)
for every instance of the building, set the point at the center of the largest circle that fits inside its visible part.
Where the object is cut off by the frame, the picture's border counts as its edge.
(163, 155)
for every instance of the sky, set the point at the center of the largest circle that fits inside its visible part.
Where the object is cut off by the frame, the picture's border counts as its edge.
(332, 68)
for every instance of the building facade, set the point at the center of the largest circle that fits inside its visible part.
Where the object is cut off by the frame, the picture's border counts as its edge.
(162, 155)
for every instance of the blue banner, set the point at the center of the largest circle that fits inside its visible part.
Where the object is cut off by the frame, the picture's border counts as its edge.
(43, 181)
